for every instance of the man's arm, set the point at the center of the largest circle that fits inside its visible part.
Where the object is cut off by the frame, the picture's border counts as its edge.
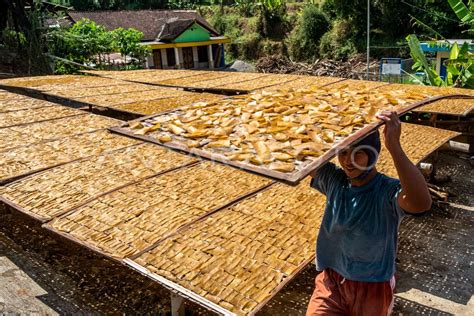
(415, 196)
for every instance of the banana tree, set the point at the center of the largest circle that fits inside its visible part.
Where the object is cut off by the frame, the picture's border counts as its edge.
(464, 12)
(460, 65)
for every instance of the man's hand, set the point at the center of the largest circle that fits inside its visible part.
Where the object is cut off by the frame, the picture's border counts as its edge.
(392, 129)
(415, 196)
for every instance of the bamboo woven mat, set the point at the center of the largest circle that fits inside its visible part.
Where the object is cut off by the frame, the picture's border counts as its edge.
(449, 106)
(117, 73)
(418, 142)
(192, 81)
(357, 84)
(432, 91)
(161, 105)
(239, 257)
(82, 82)
(133, 218)
(260, 82)
(55, 191)
(22, 103)
(121, 98)
(6, 96)
(148, 75)
(23, 135)
(60, 82)
(39, 80)
(213, 80)
(24, 160)
(79, 92)
(304, 82)
(230, 78)
(282, 134)
(48, 112)
(157, 76)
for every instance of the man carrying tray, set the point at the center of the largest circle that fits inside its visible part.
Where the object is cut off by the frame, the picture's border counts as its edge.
(357, 241)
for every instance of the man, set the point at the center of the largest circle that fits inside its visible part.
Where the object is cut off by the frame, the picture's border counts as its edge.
(357, 241)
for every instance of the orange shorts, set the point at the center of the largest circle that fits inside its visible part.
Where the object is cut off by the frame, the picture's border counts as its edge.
(334, 295)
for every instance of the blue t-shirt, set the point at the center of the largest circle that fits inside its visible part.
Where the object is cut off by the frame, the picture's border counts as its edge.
(358, 234)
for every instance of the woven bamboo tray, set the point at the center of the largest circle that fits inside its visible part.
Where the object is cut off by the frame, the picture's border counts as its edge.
(122, 98)
(215, 80)
(73, 92)
(55, 191)
(461, 107)
(48, 112)
(116, 73)
(147, 76)
(431, 91)
(22, 161)
(279, 134)
(191, 80)
(9, 96)
(161, 105)
(22, 103)
(39, 80)
(22, 135)
(418, 142)
(229, 78)
(82, 82)
(304, 82)
(268, 80)
(241, 256)
(133, 218)
(357, 84)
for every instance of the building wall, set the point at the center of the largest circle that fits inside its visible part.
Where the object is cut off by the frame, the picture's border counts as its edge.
(198, 63)
(194, 33)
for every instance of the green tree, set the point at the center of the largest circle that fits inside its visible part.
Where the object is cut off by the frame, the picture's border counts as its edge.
(304, 41)
(127, 42)
(21, 43)
(391, 20)
(272, 15)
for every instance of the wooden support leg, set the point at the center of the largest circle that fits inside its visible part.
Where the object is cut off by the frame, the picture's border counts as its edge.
(435, 159)
(433, 119)
(177, 307)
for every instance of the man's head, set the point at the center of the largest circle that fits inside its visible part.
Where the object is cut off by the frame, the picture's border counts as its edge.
(358, 160)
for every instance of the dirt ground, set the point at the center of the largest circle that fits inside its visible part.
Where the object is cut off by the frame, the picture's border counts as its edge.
(43, 274)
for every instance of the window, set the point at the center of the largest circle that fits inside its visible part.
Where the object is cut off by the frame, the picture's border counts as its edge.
(202, 54)
(170, 57)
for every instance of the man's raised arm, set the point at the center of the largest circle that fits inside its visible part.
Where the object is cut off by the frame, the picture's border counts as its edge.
(415, 196)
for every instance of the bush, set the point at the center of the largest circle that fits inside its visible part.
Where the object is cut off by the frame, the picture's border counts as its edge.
(248, 46)
(268, 47)
(304, 40)
(338, 43)
(272, 15)
(227, 24)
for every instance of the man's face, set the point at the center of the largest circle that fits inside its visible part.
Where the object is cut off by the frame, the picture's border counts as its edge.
(353, 161)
